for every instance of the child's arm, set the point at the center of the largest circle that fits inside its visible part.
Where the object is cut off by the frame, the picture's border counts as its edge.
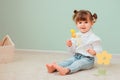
(69, 43)
(92, 52)
(96, 48)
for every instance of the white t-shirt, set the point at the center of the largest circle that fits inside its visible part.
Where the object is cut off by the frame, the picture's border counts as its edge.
(85, 41)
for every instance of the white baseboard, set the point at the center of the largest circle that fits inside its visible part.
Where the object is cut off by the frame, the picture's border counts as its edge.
(40, 51)
(50, 51)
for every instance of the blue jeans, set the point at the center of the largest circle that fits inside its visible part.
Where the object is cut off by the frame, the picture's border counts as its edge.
(78, 62)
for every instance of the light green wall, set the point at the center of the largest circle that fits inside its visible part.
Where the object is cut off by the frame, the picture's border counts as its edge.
(45, 24)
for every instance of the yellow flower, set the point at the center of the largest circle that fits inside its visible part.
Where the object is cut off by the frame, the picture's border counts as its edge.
(103, 58)
(72, 31)
(73, 34)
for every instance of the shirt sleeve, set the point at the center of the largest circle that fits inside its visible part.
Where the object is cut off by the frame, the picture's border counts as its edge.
(73, 47)
(97, 46)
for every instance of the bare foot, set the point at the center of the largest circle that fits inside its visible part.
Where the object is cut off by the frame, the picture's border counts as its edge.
(50, 68)
(61, 70)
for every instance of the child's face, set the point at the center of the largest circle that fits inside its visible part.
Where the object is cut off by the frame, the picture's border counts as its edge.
(84, 26)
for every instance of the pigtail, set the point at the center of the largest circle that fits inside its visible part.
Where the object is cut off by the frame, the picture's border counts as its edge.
(75, 13)
(94, 17)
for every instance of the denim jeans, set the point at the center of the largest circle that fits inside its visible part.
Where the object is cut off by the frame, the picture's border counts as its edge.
(78, 62)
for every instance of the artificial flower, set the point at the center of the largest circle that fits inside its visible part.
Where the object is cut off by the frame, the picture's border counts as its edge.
(103, 58)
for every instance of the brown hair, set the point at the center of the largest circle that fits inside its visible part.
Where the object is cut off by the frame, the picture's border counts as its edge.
(83, 14)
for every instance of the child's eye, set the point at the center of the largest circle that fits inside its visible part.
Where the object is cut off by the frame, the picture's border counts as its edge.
(86, 22)
(80, 22)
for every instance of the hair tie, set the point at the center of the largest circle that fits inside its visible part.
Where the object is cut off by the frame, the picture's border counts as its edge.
(75, 11)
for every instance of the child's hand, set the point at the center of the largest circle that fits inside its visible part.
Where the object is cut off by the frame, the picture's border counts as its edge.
(69, 43)
(91, 51)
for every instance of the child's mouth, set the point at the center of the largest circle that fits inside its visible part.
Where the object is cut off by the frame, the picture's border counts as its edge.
(83, 28)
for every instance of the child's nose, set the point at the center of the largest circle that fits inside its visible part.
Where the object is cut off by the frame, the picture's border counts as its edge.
(83, 24)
